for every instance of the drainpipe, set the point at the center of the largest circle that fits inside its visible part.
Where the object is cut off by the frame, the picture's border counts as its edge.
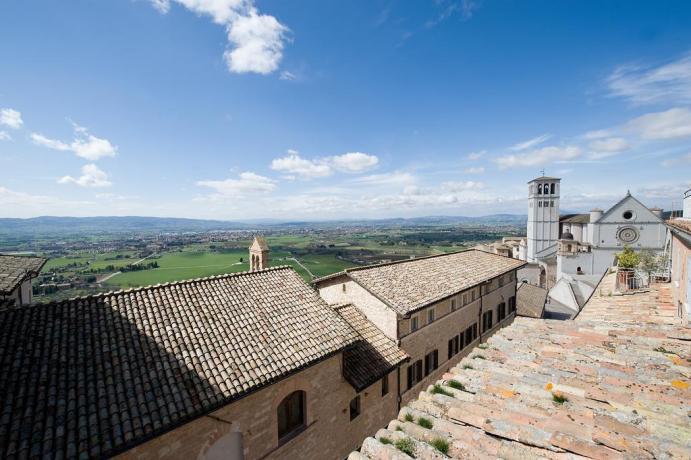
(398, 388)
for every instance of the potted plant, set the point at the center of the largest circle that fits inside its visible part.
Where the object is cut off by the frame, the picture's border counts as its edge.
(627, 260)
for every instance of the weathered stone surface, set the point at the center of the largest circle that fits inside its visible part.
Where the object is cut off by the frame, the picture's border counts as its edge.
(614, 383)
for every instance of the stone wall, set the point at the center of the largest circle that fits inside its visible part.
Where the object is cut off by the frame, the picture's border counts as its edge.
(329, 432)
(344, 290)
(681, 262)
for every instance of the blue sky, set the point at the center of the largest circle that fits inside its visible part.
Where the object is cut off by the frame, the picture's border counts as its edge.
(241, 109)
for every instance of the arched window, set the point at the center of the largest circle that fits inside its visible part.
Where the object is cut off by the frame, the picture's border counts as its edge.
(539, 189)
(552, 189)
(291, 415)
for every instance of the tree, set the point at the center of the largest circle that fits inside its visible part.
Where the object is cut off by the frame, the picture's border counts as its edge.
(648, 261)
(628, 258)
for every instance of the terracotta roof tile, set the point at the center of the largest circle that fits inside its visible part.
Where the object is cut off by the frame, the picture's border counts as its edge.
(622, 368)
(409, 285)
(91, 376)
(373, 355)
(530, 300)
(15, 269)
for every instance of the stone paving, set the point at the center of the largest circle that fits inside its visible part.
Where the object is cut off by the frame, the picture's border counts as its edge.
(612, 384)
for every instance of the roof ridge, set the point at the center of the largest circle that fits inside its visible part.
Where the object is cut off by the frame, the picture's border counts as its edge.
(394, 262)
(162, 285)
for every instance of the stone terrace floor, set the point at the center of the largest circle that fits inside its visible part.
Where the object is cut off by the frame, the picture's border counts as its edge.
(623, 368)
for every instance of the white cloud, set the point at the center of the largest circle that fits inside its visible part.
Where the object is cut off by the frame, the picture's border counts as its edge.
(91, 176)
(683, 159)
(610, 145)
(5, 136)
(530, 143)
(476, 155)
(247, 183)
(669, 82)
(11, 118)
(540, 156)
(255, 40)
(670, 124)
(461, 186)
(598, 134)
(353, 162)
(84, 145)
(286, 75)
(293, 163)
(478, 170)
(393, 178)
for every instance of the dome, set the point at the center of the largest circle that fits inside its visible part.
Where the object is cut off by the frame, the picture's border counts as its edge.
(566, 236)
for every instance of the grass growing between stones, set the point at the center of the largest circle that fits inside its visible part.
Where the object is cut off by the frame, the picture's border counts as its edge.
(482, 346)
(408, 417)
(406, 446)
(439, 390)
(425, 423)
(559, 398)
(456, 384)
(468, 366)
(385, 440)
(442, 445)
(479, 357)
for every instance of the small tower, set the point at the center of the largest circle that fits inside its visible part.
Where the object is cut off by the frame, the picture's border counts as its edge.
(543, 215)
(259, 254)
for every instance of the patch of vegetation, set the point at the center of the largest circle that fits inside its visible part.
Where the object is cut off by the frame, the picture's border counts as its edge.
(662, 349)
(408, 417)
(406, 446)
(559, 398)
(425, 423)
(441, 444)
(439, 390)
(456, 384)
(399, 428)
(482, 346)
(628, 258)
(479, 357)
(385, 440)
(468, 366)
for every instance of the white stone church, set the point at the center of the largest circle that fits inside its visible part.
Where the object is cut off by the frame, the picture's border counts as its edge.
(568, 254)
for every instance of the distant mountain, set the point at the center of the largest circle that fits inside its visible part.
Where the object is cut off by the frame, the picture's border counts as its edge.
(65, 226)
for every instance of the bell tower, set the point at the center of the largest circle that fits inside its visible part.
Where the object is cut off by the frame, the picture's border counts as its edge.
(259, 254)
(543, 215)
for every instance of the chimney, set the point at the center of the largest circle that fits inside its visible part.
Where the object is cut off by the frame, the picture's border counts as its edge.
(686, 213)
(657, 212)
(595, 215)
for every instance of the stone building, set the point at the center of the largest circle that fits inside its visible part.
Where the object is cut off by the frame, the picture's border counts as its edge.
(259, 254)
(435, 308)
(680, 233)
(241, 366)
(16, 273)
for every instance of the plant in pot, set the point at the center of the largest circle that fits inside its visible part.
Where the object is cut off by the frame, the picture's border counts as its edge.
(627, 260)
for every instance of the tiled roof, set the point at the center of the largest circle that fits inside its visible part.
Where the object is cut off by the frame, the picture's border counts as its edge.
(92, 376)
(409, 285)
(622, 368)
(680, 224)
(530, 300)
(373, 355)
(15, 269)
(575, 218)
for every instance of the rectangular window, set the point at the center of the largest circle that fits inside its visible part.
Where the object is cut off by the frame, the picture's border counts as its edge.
(465, 299)
(385, 385)
(431, 362)
(472, 295)
(501, 281)
(453, 304)
(413, 324)
(474, 331)
(487, 321)
(430, 315)
(512, 304)
(354, 407)
(468, 336)
(551, 204)
(450, 349)
(539, 203)
(456, 344)
(501, 311)
(414, 373)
